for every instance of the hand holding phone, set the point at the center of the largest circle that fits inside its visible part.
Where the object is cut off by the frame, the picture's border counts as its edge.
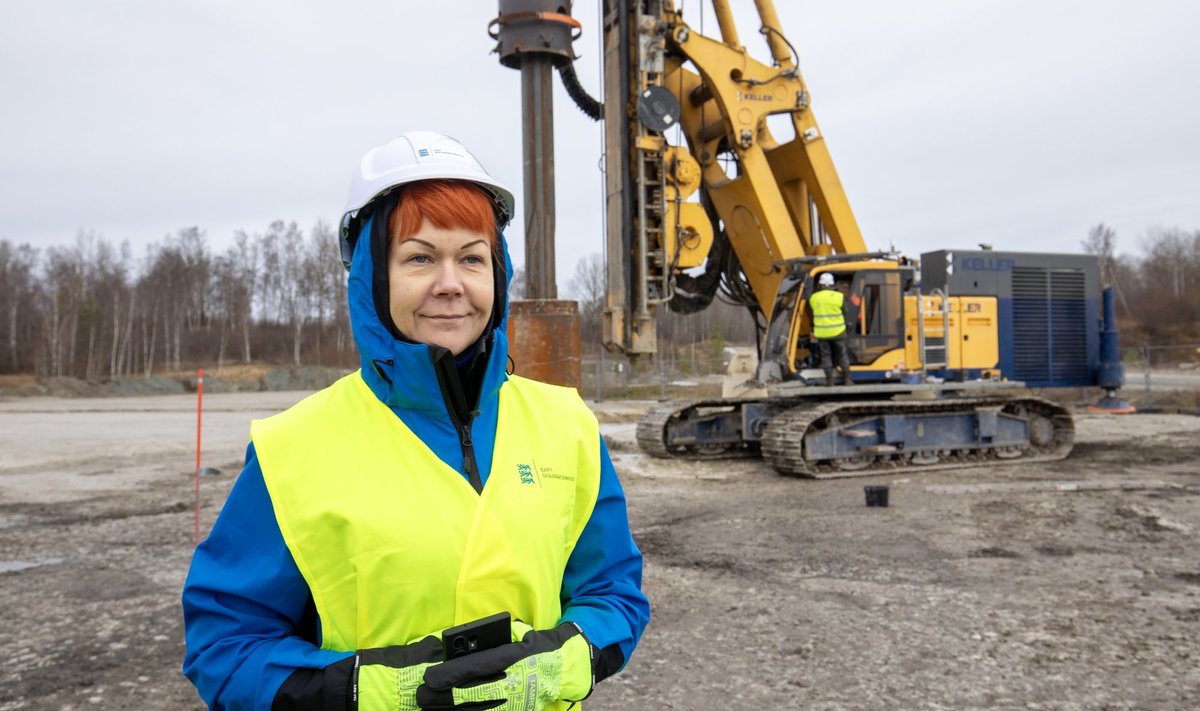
(486, 633)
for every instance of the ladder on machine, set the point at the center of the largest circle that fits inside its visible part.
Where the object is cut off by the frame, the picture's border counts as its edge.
(934, 350)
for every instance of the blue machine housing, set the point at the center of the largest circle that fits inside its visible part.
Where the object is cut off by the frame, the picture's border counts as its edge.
(1049, 311)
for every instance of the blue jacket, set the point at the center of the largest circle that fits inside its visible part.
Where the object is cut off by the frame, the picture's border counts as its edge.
(250, 625)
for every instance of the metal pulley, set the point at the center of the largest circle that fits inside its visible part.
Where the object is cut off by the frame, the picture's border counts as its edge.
(658, 109)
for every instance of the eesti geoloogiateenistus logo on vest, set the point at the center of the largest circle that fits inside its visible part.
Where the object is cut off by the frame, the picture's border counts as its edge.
(525, 471)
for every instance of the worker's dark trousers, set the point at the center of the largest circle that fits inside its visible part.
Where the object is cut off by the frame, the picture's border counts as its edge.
(833, 350)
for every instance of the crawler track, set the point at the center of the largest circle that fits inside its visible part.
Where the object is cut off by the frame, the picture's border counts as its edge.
(786, 443)
(652, 432)
(785, 440)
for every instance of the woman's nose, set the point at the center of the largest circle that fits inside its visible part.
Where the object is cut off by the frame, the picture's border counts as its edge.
(449, 281)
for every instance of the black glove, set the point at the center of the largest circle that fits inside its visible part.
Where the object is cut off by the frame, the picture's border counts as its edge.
(545, 666)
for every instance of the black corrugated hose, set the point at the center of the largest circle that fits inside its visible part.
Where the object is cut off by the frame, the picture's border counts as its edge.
(589, 106)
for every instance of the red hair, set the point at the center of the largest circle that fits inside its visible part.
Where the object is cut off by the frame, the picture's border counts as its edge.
(447, 204)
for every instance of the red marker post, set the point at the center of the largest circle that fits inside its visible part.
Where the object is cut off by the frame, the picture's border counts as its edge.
(199, 410)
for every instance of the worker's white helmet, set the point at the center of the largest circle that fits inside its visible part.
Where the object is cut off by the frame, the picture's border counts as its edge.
(415, 156)
(826, 279)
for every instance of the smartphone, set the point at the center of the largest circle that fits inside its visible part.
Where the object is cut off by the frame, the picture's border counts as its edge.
(485, 633)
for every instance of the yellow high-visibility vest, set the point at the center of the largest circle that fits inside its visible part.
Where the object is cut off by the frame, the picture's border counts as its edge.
(826, 305)
(395, 544)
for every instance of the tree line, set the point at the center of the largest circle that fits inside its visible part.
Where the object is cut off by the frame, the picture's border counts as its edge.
(94, 310)
(1158, 289)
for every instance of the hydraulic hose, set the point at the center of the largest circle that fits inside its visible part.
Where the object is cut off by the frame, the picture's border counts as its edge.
(588, 105)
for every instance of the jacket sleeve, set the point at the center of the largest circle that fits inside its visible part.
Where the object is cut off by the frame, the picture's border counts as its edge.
(602, 584)
(249, 625)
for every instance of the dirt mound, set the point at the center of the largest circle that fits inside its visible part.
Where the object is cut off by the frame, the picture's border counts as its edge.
(234, 379)
(30, 386)
(303, 378)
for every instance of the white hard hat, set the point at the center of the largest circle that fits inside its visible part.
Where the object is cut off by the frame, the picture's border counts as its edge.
(415, 156)
(826, 279)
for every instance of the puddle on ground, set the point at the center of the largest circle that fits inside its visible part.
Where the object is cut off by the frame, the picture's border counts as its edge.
(11, 566)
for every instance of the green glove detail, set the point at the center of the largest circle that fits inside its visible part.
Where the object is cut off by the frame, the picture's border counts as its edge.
(543, 667)
(386, 678)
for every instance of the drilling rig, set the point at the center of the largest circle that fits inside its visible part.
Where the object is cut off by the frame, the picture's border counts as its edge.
(707, 198)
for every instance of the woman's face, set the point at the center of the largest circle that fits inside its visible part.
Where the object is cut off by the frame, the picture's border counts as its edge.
(440, 283)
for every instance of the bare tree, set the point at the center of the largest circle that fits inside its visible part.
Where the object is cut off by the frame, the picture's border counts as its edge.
(293, 295)
(1102, 242)
(62, 300)
(176, 273)
(516, 285)
(322, 283)
(225, 300)
(113, 289)
(589, 287)
(270, 272)
(17, 288)
(244, 263)
(330, 261)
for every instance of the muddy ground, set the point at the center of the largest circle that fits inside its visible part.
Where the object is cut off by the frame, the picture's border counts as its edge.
(1017, 587)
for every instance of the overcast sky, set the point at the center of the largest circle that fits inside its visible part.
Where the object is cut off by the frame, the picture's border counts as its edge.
(1016, 122)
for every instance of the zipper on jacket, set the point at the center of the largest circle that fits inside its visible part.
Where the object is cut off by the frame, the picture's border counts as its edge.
(460, 413)
(470, 466)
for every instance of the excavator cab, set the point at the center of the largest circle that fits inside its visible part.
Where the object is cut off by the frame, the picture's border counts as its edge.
(875, 335)
(877, 325)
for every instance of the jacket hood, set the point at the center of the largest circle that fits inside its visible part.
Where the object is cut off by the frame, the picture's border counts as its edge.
(401, 373)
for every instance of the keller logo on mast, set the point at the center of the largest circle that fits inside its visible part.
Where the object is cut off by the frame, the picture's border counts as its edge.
(748, 96)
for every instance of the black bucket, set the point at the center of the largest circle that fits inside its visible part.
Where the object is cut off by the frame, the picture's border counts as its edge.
(876, 495)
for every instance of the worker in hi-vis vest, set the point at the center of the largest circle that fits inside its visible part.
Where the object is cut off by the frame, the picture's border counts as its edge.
(829, 321)
(426, 491)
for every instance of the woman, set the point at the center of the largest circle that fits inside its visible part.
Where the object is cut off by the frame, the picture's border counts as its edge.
(427, 490)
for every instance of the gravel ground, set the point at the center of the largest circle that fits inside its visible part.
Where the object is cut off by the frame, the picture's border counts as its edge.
(1072, 585)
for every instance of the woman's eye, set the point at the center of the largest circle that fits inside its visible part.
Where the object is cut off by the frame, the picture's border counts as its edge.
(475, 260)
(420, 259)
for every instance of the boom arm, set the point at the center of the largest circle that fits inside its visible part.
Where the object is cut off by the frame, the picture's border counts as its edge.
(771, 200)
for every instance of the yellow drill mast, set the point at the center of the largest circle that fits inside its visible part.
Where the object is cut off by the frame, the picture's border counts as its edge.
(771, 199)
